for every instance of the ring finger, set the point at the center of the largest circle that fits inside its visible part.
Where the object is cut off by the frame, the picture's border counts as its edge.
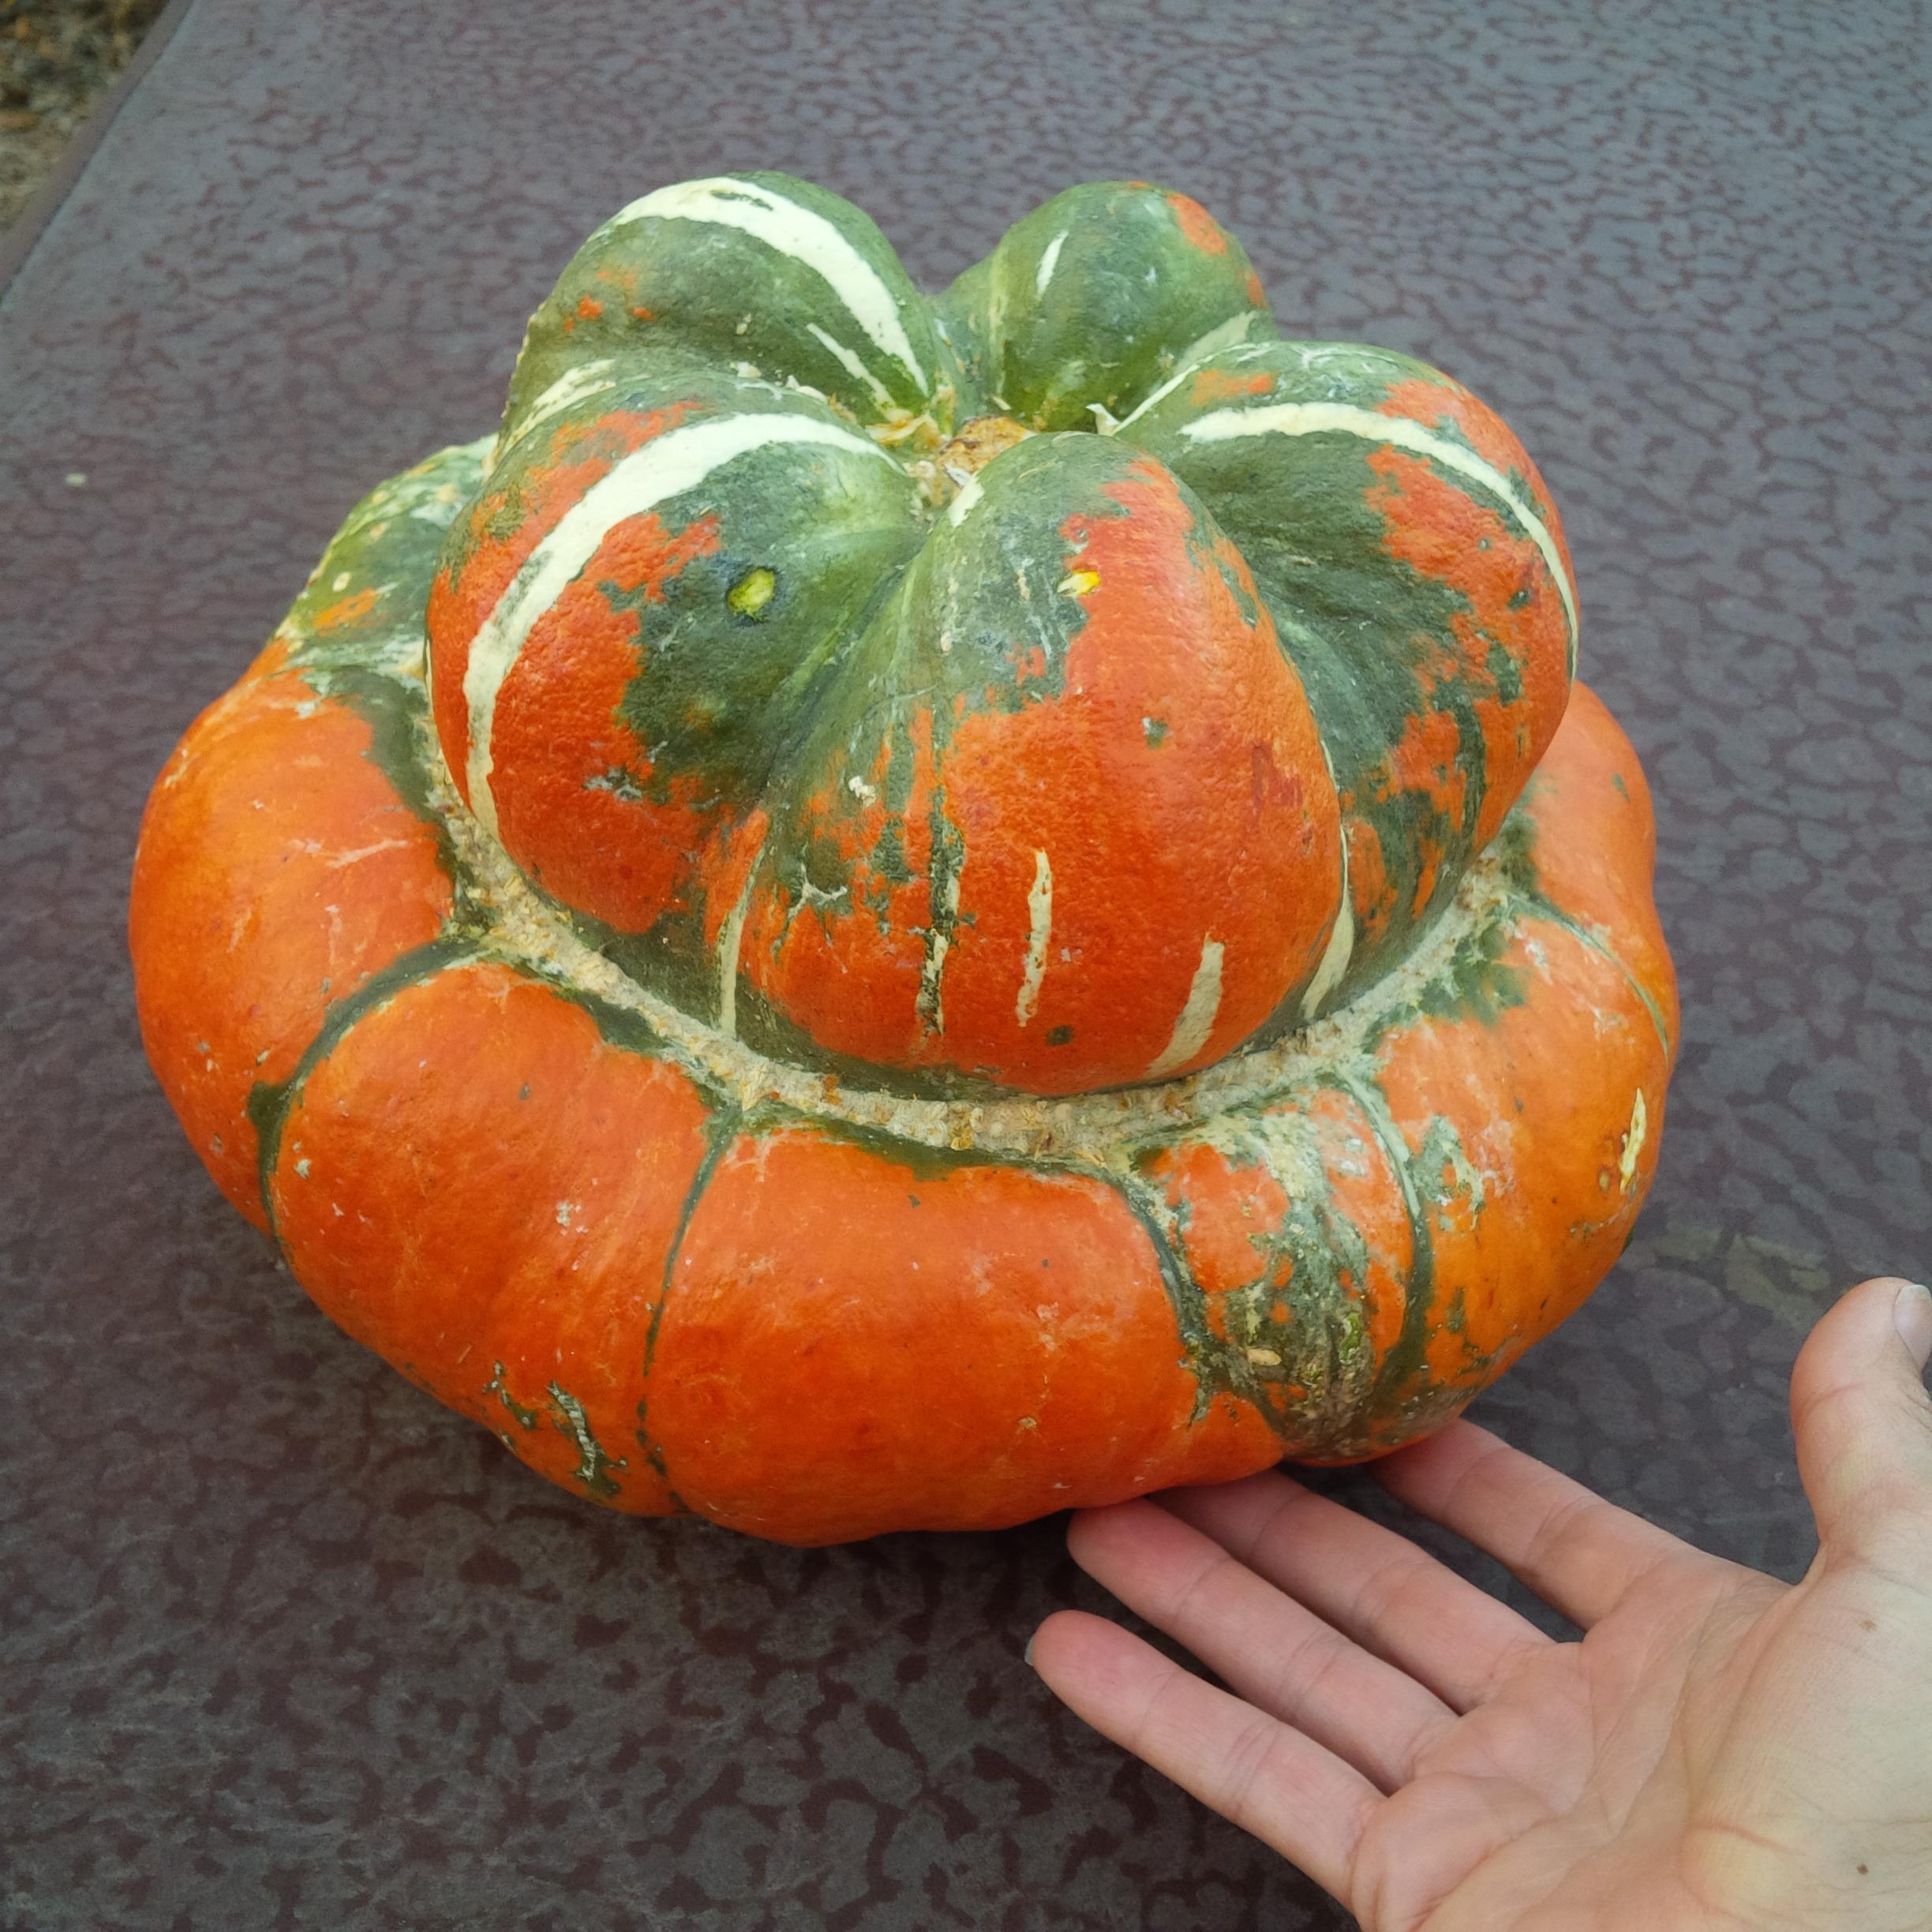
(1373, 1585)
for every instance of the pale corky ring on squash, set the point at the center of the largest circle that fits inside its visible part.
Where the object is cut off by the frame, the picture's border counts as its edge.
(892, 912)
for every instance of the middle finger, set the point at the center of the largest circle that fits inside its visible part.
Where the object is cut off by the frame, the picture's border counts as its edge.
(1372, 1584)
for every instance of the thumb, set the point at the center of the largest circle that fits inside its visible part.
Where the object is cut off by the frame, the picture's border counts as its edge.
(1860, 1412)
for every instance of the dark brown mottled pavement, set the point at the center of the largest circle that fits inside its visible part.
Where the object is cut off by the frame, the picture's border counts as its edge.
(282, 1643)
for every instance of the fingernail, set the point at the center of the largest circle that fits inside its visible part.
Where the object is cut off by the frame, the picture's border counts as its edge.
(1028, 1653)
(1911, 1314)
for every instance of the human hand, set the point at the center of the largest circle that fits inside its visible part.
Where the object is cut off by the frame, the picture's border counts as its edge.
(1720, 1750)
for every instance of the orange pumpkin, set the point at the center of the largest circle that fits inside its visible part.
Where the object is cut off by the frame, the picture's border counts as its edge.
(900, 913)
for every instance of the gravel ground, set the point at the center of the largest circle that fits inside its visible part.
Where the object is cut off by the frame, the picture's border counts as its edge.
(56, 57)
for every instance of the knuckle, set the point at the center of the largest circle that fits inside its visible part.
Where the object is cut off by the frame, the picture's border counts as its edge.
(1309, 1666)
(1243, 1769)
(1566, 1518)
(1381, 1592)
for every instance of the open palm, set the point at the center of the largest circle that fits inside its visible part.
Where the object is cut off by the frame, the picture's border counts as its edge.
(1718, 1750)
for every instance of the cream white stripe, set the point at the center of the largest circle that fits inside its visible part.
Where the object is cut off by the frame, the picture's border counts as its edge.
(1039, 931)
(930, 1001)
(577, 383)
(1336, 954)
(1328, 418)
(1048, 262)
(1340, 947)
(793, 231)
(1223, 336)
(1197, 1016)
(961, 506)
(850, 362)
(667, 466)
(1633, 1143)
(730, 941)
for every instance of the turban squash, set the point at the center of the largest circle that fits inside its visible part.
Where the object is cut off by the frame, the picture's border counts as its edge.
(894, 912)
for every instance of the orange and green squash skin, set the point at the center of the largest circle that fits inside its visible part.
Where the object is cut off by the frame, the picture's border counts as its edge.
(889, 913)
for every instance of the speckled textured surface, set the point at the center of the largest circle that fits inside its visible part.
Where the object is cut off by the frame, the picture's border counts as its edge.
(282, 1643)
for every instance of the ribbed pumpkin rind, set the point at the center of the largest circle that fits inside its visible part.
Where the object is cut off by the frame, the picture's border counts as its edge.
(804, 1306)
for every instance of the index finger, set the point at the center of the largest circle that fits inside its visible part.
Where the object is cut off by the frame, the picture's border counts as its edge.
(1258, 1773)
